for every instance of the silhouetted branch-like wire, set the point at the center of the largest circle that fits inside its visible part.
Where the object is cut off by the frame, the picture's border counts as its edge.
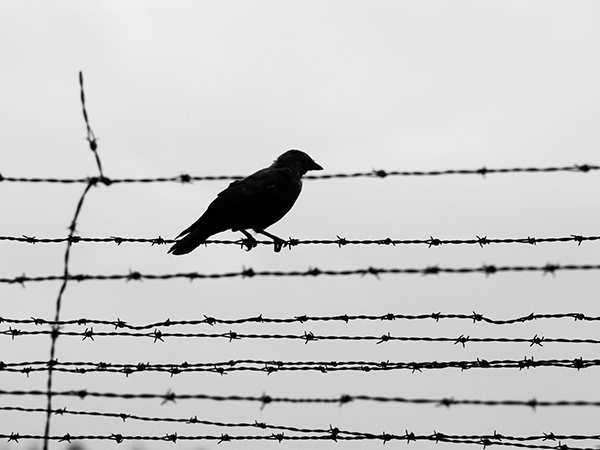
(375, 173)
(437, 316)
(487, 269)
(291, 242)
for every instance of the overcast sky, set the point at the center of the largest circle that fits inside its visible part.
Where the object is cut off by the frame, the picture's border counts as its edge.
(223, 88)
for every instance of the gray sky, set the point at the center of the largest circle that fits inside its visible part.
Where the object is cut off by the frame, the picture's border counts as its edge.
(223, 88)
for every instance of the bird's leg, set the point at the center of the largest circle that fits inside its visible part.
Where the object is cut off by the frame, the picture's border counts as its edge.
(249, 242)
(278, 243)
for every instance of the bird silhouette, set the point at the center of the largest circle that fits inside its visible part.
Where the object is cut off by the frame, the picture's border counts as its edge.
(253, 203)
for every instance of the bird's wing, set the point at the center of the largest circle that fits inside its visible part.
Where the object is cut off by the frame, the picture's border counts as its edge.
(255, 202)
(255, 184)
(258, 200)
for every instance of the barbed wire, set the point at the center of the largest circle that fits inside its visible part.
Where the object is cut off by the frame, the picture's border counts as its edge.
(308, 336)
(343, 399)
(335, 434)
(271, 366)
(209, 320)
(375, 173)
(292, 242)
(332, 432)
(486, 269)
(92, 141)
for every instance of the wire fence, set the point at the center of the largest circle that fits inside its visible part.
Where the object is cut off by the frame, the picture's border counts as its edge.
(157, 332)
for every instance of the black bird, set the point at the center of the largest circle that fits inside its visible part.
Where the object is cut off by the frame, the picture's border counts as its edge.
(255, 203)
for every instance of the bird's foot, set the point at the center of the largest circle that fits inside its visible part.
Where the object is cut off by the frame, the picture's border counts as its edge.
(248, 243)
(278, 244)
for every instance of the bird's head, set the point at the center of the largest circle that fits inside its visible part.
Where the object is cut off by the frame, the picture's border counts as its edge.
(297, 160)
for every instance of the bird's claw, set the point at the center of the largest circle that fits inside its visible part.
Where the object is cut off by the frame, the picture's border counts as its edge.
(248, 243)
(278, 244)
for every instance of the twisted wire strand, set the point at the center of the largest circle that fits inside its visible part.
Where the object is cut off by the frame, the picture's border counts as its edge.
(331, 433)
(292, 242)
(343, 399)
(486, 269)
(158, 335)
(375, 173)
(346, 318)
(279, 437)
(269, 367)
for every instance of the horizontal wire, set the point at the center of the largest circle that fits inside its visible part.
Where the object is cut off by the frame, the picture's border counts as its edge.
(343, 399)
(375, 173)
(437, 316)
(279, 437)
(158, 335)
(268, 367)
(486, 269)
(292, 242)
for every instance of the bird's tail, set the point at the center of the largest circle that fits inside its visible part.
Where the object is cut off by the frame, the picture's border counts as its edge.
(189, 242)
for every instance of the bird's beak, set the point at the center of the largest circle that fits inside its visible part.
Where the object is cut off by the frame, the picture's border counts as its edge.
(314, 166)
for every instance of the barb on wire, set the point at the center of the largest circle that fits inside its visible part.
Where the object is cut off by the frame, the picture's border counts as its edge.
(375, 173)
(292, 242)
(488, 269)
(91, 137)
